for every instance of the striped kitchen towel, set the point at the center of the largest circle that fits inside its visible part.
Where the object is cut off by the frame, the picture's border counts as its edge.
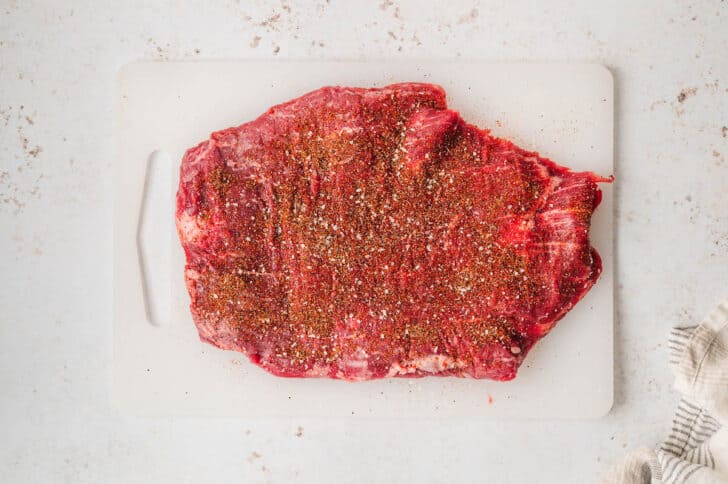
(696, 451)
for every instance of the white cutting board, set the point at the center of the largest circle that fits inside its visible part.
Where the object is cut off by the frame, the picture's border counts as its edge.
(161, 368)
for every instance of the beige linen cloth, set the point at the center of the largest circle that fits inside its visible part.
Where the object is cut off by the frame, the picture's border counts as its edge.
(696, 451)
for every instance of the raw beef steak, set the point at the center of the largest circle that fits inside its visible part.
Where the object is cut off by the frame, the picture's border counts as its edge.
(365, 233)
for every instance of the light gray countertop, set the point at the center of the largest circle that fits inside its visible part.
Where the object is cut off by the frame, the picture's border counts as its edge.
(57, 66)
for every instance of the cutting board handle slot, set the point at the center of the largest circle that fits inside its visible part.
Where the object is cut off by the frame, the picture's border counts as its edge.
(153, 238)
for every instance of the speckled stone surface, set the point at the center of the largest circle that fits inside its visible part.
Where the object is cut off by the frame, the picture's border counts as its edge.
(57, 67)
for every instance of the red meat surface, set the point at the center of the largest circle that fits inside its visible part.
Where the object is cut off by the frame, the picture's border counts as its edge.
(367, 233)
